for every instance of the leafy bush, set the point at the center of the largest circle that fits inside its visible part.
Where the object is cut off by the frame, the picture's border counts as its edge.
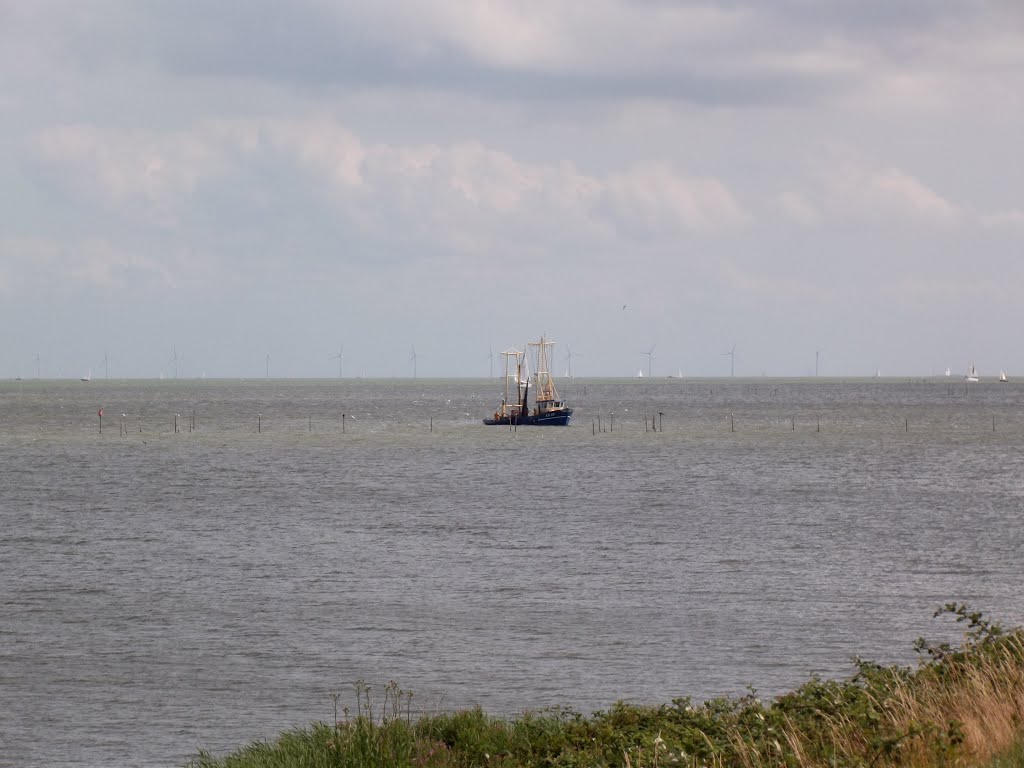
(961, 705)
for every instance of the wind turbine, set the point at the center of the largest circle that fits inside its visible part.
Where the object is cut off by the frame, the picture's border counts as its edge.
(175, 360)
(268, 365)
(106, 366)
(569, 355)
(413, 357)
(817, 358)
(37, 365)
(490, 358)
(650, 360)
(339, 357)
(732, 360)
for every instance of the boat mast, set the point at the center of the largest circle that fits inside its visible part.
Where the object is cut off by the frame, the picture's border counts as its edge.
(545, 383)
(512, 375)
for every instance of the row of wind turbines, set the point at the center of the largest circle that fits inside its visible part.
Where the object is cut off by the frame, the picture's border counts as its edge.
(340, 357)
(176, 359)
(649, 354)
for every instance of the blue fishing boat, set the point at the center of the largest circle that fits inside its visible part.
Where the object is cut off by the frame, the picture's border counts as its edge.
(549, 409)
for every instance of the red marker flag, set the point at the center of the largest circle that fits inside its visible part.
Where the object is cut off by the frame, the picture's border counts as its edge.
(101, 413)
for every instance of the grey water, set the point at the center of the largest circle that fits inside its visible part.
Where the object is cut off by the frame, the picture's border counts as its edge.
(164, 591)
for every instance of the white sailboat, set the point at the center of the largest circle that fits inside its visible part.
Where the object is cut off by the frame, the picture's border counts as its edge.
(1002, 377)
(88, 376)
(947, 371)
(972, 374)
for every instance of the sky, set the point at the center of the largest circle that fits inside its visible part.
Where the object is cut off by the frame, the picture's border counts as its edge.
(210, 186)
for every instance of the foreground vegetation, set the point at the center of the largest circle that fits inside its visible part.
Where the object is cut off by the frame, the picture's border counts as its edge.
(960, 706)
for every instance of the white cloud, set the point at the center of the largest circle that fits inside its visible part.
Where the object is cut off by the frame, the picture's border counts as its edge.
(798, 208)
(410, 148)
(831, 57)
(494, 179)
(654, 198)
(147, 172)
(540, 35)
(853, 188)
(136, 174)
(1010, 219)
(43, 264)
(897, 193)
(324, 148)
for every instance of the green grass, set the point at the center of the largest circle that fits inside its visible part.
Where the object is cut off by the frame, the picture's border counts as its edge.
(960, 706)
(1011, 758)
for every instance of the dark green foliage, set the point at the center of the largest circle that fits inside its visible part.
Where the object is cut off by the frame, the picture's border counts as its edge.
(870, 719)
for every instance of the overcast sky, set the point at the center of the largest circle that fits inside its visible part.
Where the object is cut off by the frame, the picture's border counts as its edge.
(246, 178)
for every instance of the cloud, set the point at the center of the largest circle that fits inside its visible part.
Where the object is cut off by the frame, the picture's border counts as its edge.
(42, 264)
(322, 147)
(668, 149)
(652, 199)
(896, 193)
(852, 187)
(1011, 219)
(724, 53)
(798, 208)
(139, 175)
(561, 37)
(157, 175)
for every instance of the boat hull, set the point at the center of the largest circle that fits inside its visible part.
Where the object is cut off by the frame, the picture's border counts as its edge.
(559, 418)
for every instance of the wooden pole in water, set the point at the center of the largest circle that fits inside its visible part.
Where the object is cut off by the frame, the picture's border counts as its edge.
(175, 423)
(593, 427)
(310, 423)
(818, 417)
(599, 424)
(259, 423)
(792, 423)
(343, 423)
(101, 420)
(431, 423)
(645, 421)
(732, 423)
(612, 429)
(906, 424)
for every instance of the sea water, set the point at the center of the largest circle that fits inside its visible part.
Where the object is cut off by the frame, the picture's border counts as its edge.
(168, 590)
